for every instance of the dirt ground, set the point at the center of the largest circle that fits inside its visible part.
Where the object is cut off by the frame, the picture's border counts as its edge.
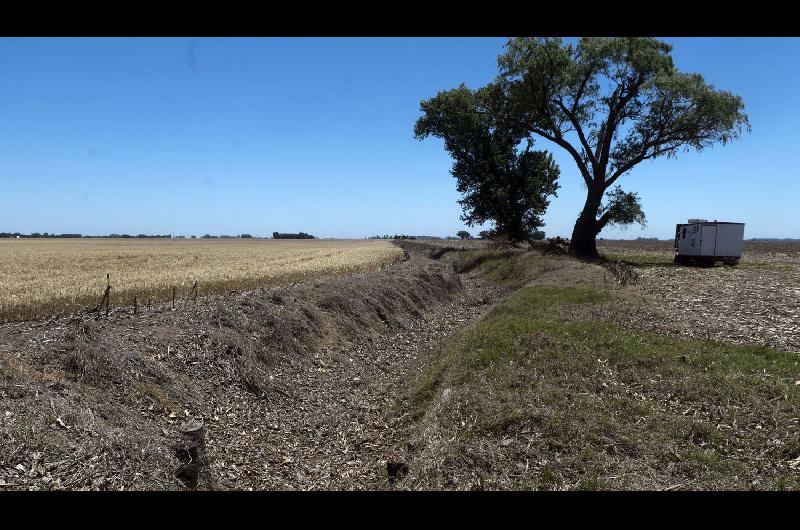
(545, 392)
(757, 302)
(295, 385)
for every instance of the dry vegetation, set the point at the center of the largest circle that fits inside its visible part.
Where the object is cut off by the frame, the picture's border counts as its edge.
(478, 369)
(43, 277)
(293, 383)
(559, 387)
(757, 302)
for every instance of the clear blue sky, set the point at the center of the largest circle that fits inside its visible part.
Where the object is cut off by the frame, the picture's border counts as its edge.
(188, 136)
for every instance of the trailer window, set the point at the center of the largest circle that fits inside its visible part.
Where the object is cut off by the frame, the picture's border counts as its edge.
(684, 233)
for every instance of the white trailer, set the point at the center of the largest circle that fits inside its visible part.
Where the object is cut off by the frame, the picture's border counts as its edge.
(703, 243)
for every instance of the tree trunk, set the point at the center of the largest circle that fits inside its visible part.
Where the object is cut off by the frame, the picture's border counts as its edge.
(515, 230)
(584, 236)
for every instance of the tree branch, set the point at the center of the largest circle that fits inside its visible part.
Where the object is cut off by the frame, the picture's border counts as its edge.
(615, 111)
(587, 177)
(603, 221)
(581, 136)
(632, 162)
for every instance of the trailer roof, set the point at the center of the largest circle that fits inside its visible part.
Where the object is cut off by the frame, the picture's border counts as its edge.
(711, 223)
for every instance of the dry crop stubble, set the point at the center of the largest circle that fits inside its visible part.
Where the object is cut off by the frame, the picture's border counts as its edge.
(40, 277)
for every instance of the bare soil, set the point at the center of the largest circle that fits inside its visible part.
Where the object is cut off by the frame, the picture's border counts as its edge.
(757, 302)
(305, 386)
(560, 387)
(295, 385)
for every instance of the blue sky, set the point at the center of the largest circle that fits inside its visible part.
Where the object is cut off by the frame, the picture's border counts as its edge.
(193, 136)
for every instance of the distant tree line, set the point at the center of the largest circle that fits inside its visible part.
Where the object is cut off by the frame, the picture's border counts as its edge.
(301, 235)
(221, 236)
(396, 236)
(121, 236)
(37, 234)
(138, 236)
(75, 236)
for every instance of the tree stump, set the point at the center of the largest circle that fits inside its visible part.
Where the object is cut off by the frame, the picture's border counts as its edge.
(193, 470)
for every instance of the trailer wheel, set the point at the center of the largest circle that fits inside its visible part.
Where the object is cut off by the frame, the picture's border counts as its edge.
(730, 262)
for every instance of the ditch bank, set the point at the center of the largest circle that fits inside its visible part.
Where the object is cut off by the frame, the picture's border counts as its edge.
(284, 388)
(561, 387)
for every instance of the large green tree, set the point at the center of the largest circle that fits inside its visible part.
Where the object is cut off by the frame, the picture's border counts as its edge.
(611, 103)
(501, 178)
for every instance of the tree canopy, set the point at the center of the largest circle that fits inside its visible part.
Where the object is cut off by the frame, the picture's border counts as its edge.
(611, 103)
(501, 178)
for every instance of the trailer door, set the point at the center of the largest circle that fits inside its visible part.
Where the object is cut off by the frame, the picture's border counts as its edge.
(689, 243)
(708, 240)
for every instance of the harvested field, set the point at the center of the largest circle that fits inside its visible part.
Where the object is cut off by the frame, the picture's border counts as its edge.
(757, 302)
(754, 252)
(500, 369)
(294, 385)
(549, 392)
(41, 277)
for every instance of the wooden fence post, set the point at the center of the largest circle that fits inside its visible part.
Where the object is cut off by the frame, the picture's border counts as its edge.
(106, 296)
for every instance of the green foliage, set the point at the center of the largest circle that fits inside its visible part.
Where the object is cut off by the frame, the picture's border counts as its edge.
(301, 235)
(538, 235)
(622, 97)
(611, 103)
(621, 208)
(501, 181)
(463, 234)
(509, 268)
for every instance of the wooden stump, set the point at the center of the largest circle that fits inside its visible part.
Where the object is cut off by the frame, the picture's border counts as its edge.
(193, 471)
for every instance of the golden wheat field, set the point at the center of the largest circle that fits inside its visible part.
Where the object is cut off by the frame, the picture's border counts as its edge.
(40, 277)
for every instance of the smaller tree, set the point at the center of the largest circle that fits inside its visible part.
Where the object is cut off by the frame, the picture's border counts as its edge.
(463, 234)
(621, 208)
(538, 235)
(502, 180)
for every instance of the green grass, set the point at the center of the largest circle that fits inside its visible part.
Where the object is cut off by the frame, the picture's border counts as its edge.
(614, 408)
(510, 268)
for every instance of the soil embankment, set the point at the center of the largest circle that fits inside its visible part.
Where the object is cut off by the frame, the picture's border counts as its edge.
(294, 386)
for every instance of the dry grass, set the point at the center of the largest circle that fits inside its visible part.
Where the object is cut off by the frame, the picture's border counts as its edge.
(549, 391)
(290, 381)
(757, 302)
(758, 254)
(44, 277)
